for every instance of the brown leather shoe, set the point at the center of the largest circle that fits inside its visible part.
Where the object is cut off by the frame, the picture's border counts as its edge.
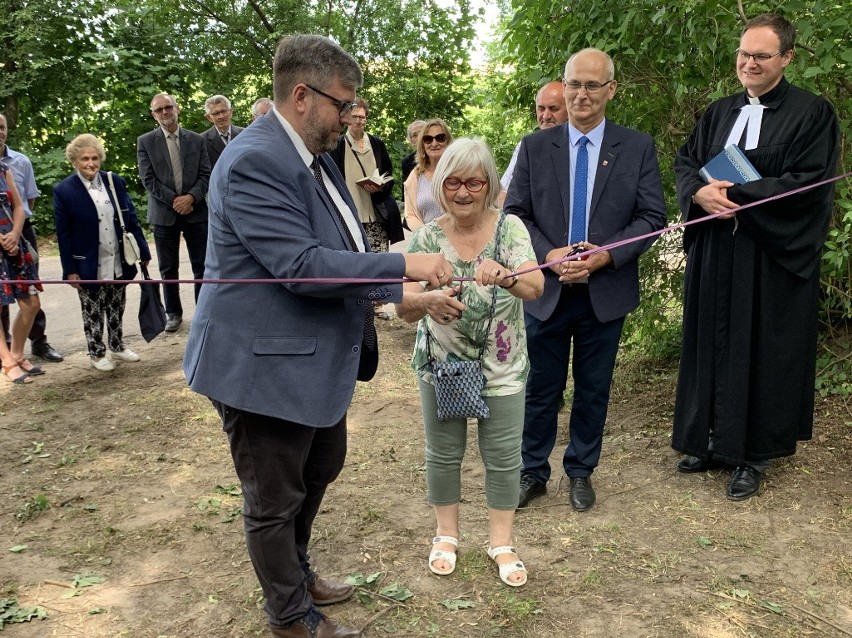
(328, 592)
(325, 629)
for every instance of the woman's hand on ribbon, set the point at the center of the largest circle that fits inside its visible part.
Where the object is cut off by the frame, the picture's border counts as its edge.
(491, 273)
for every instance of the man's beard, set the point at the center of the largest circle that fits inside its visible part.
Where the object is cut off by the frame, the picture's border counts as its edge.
(319, 138)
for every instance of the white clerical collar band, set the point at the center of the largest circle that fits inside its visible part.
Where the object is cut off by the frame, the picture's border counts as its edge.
(751, 115)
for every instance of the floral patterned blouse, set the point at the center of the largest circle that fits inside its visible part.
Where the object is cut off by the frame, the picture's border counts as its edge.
(505, 362)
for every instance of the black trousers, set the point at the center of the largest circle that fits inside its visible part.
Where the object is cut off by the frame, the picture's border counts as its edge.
(284, 469)
(167, 242)
(40, 323)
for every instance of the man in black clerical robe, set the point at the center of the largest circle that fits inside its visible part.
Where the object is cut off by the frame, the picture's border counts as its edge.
(745, 391)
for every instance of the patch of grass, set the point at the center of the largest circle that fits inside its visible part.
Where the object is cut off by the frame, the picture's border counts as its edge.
(510, 609)
(472, 564)
(32, 508)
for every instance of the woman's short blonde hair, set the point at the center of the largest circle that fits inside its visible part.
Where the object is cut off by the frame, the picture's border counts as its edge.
(86, 140)
(420, 155)
(464, 157)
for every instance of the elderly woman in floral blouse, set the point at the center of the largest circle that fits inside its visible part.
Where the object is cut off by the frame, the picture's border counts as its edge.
(466, 185)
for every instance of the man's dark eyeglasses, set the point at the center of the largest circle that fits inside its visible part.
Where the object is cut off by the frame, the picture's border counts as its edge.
(472, 185)
(441, 138)
(590, 87)
(160, 109)
(345, 107)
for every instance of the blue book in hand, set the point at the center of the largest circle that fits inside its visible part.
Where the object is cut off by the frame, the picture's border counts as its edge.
(731, 165)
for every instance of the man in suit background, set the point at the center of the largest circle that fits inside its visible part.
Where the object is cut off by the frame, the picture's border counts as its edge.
(217, 110)
(550, 111)
(282, 376)
(582, 185)
(175, 169)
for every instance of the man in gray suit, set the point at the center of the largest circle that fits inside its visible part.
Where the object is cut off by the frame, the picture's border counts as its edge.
(581, 185)
(175, 169)
(279, 361)
(217, 110)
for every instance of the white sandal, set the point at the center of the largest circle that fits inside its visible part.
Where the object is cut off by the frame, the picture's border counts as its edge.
(508, 568)
(443, 554)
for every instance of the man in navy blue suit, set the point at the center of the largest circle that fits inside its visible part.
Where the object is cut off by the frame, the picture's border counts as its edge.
(279, 361)
(582, 185)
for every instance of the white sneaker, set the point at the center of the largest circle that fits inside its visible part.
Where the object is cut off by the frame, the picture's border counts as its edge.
(126, 355)
(103, 364)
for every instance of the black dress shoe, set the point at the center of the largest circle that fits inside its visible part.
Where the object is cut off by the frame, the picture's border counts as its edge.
(47, 352)
(692, 464)
(582, 493)
(173, 322)
(745, 483)
(530, 489)
(328, 592)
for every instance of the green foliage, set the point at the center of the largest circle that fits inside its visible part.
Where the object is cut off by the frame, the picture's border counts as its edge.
(72, 68)
(672, 59)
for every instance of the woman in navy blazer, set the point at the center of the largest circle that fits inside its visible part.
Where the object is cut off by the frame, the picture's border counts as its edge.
(89, 235)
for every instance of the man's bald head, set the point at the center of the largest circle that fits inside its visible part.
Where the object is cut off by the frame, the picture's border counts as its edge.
(550, 109)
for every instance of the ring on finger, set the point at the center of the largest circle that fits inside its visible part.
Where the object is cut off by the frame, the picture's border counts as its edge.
(446, 317)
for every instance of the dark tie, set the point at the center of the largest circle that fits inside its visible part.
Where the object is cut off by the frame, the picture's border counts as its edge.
(581, 178)
(369, 320)
(226, 137)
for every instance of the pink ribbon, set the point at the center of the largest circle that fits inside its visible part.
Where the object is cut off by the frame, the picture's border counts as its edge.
(353, 280)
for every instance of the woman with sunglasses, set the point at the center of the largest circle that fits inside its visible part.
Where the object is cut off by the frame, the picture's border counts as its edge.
(420, 205)
(458, 321)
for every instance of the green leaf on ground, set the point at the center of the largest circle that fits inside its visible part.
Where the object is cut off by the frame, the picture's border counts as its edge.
(86, 580)
(17, 549)
(397, 592)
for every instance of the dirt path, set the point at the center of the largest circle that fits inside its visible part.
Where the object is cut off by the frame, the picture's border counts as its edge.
(126, 476)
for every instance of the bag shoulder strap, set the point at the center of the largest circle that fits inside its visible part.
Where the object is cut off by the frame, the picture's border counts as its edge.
(357, 159)
(115, 201)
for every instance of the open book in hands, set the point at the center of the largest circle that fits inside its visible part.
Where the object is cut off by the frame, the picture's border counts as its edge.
(376, 178)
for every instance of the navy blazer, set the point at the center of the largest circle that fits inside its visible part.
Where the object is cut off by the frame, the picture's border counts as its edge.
(155, 171)
(77, 227)
(289, 351)
(214, 142)
(627, 201)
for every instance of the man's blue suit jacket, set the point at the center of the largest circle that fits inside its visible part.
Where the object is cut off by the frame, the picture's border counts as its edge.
(77, 227)
(627, 201)
(289, 351)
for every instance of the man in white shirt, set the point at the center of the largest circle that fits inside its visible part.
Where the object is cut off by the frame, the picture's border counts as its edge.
(550, 111)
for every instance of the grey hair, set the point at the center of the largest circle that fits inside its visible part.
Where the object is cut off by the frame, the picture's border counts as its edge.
(466, 155)
(166, 95)
(216, 99)
(415, 123)
(86, 140)
(610, 65)
(258, 102)
(313, 60)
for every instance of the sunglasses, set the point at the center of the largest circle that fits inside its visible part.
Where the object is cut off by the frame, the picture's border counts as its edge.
(441, 138)
(159, 110)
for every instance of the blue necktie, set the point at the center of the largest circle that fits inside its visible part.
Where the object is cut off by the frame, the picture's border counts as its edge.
(581, 178)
